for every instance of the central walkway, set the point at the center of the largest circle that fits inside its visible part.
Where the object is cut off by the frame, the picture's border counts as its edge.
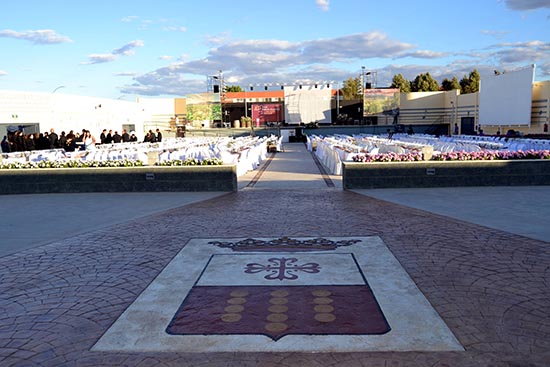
(489, 287)
(294, 169)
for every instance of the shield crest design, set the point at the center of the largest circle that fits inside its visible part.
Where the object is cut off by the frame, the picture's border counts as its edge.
(278, 294)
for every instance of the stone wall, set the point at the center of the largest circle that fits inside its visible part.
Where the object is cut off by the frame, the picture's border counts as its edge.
(124, 179)
(445, 174)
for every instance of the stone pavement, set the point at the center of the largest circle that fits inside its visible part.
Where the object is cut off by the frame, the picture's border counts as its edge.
(489, 286)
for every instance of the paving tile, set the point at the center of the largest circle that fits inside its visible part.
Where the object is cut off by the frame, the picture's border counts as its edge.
(490, 287)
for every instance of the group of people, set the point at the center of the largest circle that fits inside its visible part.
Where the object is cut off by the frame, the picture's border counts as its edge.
(152, 137)
(20, 142)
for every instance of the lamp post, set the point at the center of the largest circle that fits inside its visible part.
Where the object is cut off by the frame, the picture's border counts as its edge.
(337, 101)
(363, 94)
(220, 81)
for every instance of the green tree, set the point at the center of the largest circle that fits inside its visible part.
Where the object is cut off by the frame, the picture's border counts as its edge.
(233, 88)
(424, 83)
(452, 84)
(350, 90)
(470, 84)
(400, 82)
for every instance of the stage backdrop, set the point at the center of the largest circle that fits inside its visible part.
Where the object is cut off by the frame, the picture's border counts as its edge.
(506, 99)
(380, 100)
(307, 104)
(270, 112)
(203, 108)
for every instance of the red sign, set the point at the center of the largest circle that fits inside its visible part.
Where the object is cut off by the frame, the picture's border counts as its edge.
(270, 112)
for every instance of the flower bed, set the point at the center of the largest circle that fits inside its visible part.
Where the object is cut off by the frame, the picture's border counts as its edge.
(485, 155)
(444, 173)
(72, 164)
(119, 179)
(192, 162)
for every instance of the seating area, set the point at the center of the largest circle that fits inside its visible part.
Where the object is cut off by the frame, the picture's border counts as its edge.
(335, 149)
(244, 152)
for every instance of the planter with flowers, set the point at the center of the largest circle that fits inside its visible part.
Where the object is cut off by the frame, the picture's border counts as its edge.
(116, 176)
(485, 168)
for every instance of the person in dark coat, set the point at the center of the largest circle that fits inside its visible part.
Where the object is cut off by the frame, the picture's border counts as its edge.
(159, 136)
(5, 145)
(42, 143)
(125, 136)
(117, 138)
(54, 139)
(103, 136)
(109, 137)
(62, 140)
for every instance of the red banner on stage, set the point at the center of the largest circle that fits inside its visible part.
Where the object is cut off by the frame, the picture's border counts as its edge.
(262, 113)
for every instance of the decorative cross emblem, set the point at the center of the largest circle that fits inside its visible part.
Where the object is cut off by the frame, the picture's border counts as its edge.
(281, 268)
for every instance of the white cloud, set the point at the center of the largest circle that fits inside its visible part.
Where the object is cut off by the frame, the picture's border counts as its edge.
(175, 29)
(126, 73)
(99, 59)
(2, 73)
(496, 34)
(126, 50)
(265, 61)
(425, 54)
(527, 4)
(129, 18)
(323, 4)
(38, 37)
(166, 57)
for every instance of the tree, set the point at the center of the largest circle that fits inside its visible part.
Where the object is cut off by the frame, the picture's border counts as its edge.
(424, 83)
(400, 82)
(470, 84)
(351, 89)
(233, 88)
(452, 84)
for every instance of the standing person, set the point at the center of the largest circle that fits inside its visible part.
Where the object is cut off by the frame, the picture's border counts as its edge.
(456, 129)
(125, 136)
(159, 135)
(109, 137)
(5, 145)
(54, 139)
(117, 138)
(133, 138)
(152, 137)
(89, 141)
(62, 140)
(103, 136)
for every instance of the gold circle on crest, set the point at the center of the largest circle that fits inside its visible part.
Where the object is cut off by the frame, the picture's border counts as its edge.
(325, 317)
(277, 317)
(323, 308)
(276, 327)
(239, 293)
(323, 300)
(321, 293)
(277, 308)
(234, 309)
(231, 317)
(279, 293)
(236, 301)
(278, 301)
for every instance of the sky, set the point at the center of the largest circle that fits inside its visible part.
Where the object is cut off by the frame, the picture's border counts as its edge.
(167, 48)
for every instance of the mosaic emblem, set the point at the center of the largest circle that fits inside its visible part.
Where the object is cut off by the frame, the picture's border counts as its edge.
(284, 244)
(281, 268)
(306, 293)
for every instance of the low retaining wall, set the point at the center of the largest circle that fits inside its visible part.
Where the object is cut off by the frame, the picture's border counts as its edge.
(123, 179)
(445, 174)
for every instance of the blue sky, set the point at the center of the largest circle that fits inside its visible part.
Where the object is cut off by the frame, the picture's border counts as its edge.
(166, 48)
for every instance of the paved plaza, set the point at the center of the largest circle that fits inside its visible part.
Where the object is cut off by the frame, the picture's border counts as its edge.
(289, 271)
